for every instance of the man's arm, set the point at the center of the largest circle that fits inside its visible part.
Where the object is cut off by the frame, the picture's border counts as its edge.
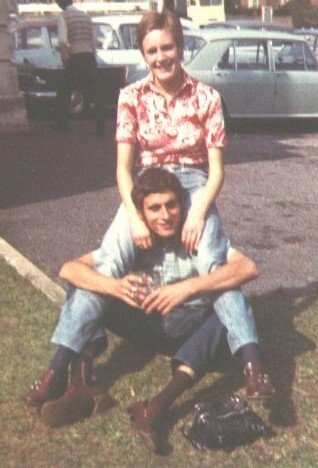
(237, 270)
(81, 273)
(64, 46)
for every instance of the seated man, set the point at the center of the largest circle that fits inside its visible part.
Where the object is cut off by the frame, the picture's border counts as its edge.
(180, 311)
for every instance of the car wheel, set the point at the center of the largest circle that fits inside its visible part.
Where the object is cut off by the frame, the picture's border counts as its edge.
(77, 102)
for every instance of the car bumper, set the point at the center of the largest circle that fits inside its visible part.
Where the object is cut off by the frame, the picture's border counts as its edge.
(40, 95)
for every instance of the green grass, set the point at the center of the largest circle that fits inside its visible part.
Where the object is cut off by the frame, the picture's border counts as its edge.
(287, 321)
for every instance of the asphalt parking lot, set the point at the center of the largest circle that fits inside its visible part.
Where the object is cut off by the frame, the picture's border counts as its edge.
(58, 195)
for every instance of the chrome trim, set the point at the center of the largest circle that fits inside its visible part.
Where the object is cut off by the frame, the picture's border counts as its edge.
(40, 94)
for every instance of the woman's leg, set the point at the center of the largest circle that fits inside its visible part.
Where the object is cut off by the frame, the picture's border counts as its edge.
(117, 252)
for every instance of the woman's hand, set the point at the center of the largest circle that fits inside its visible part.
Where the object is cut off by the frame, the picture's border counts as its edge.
(166, 298)
(140, 233)
(192, 230)
(130, 289)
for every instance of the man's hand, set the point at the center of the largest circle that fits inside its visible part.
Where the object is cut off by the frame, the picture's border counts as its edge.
(166, 298)
(140, 233)
(130, 289)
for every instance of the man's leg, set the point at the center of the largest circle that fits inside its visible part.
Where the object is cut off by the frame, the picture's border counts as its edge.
(95, 94)
(191, 360)
(80, 400)
(79, 323)
(236, 314)
(63, 98)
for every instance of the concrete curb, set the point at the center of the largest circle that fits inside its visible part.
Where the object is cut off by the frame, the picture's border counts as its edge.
(29, 271)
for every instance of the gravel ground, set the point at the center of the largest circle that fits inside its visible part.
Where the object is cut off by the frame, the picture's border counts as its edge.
(58, 195)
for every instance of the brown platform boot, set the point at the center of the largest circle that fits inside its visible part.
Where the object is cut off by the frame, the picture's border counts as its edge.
(49, 386)
(82, 398)
(258, 384)
(77, 403)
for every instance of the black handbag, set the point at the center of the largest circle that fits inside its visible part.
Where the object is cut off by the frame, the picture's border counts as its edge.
(225, 425)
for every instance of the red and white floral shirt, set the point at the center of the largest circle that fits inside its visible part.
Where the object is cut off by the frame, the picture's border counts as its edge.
(174, 132)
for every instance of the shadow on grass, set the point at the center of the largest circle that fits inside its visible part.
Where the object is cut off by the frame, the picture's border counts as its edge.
(280, 341)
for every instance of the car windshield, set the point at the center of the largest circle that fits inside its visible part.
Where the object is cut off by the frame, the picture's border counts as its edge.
(105, 36)
(129, 35)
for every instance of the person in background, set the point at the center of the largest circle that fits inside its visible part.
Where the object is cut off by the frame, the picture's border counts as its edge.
(77, 48)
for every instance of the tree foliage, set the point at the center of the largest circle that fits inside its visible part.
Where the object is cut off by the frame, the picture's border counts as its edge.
(302, 13)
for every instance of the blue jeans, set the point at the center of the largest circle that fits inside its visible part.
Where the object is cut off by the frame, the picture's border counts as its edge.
(118, 250)
(85, 316)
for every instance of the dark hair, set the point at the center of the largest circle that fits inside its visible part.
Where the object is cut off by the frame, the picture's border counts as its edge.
(64, 3)
(155, 180)
(167, 20)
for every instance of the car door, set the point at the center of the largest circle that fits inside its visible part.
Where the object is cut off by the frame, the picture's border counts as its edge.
(244, 78)
(32, 47)
(296, 78)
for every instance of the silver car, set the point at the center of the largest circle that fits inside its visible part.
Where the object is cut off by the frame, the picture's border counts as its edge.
(259, 74)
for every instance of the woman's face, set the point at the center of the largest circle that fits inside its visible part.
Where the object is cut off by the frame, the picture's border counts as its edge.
(162, 56)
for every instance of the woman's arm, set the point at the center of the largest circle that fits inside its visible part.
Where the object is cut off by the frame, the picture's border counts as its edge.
(205, 197)
(139, 231)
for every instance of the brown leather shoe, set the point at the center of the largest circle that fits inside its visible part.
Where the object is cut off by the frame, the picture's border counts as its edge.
(258, 384)
(48, 386)
(77, 403)
(148, 420)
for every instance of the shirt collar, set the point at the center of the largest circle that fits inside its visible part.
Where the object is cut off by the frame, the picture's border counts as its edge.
(188, 83)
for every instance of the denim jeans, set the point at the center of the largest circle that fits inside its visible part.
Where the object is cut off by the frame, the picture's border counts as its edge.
(85, 316)
(118, 251)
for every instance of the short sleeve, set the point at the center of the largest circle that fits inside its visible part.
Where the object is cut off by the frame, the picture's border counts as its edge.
(215, 135)
(97, 256)
(126, 117)
(230, 250)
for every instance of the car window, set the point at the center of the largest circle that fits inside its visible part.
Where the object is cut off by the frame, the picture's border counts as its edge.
(288, 55)
(193, 43)
(129, 35)
(310, 60)
(227, 61)
(29, 38)
(251, 55)
(245, 55)
(53, 36)
(105, 37)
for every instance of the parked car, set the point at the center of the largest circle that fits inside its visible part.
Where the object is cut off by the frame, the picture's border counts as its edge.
(39, 65)
(248, 24)
(259, 74)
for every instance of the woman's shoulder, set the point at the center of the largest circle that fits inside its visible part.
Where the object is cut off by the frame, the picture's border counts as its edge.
(134, 89)
(206, 90)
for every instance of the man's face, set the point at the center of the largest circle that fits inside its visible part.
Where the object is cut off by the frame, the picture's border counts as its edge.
(162, 214)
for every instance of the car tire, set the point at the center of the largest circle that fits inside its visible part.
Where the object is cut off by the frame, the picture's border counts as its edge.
(77, 103)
